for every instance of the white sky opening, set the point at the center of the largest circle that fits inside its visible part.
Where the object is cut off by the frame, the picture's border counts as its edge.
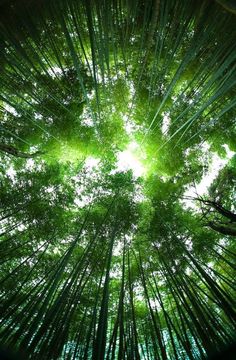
(10, 109)
(165, 123)
(55, 71)
(11, 172)
(91, 163)
(130, 126)
(30, 163)
(129, 159)
(201, 188)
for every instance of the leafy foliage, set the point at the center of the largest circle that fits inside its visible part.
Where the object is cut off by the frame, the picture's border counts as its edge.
(112, 113)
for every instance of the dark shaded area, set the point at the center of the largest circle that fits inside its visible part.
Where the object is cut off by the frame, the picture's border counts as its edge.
(227, 353)
(7, 354)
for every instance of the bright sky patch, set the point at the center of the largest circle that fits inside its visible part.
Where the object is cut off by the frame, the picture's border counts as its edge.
(129, 160)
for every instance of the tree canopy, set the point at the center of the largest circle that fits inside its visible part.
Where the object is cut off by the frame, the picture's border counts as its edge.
(118, 178)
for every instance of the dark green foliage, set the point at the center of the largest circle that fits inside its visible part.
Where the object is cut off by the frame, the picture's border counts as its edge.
(111, 115)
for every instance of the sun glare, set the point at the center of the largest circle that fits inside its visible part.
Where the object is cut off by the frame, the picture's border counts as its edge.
(131, 159)
(67, 153)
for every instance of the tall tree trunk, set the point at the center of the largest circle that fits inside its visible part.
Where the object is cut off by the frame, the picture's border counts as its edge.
(219, 208)
(99, 348)
(11, 150)
(225, 229)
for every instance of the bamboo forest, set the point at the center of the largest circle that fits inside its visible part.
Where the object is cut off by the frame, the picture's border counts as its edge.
(117, 179)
